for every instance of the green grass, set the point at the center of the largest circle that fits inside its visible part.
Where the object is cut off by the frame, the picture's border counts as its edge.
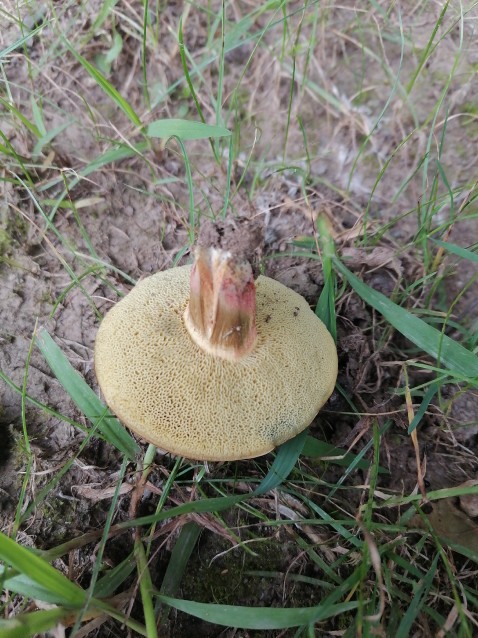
(348, 128)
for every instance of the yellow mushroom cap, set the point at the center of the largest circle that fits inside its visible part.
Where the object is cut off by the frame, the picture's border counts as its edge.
(168, 390)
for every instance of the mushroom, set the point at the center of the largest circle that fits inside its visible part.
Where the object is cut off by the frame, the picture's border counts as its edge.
(207, 363)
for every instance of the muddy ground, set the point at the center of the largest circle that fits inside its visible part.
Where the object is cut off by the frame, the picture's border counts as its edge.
(133, 215)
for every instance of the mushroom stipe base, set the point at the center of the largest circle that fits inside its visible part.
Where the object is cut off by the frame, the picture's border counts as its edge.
(166, 389)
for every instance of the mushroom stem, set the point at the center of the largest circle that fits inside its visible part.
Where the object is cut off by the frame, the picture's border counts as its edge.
(221, 314)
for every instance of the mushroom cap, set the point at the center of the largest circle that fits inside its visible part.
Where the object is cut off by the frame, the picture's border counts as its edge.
(173, 394)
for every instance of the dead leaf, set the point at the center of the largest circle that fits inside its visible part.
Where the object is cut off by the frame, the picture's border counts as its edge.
(380, 257)
(454, 519)
(100, 494)
(469, 502)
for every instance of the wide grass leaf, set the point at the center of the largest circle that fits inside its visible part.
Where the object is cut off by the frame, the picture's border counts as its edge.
(33, 624)
(450, 353)
(180, 556)
(84, 397)
(36, 569)
(109, 583)
(284, 463)
(464, 253)
(258, 617)
(316, 449)
(26, 586)
(185, 129)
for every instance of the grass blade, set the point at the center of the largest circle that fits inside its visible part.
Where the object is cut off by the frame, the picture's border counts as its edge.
(24, 585)
(47, 137)
(108, 88)
(258, 617)
(285, 460)
(84, 397)
(18, 114)
(33, 624)
(120, 152)
(438, 345)
(185, 129)
(430, 393)
(217, 504)
(40, 572)
(464, 253)
(325, 308)
(428, 49)
(146, 588)
(23, 40)
(417, 601)
(176, 568)
(182, 54)
(179, 558)
(314, 448)
(112, 580)
(325, 516)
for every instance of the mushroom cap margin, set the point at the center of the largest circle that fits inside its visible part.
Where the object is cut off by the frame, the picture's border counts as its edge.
(167, 390)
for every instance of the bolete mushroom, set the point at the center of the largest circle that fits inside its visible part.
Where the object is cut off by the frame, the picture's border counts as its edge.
(207, 363)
